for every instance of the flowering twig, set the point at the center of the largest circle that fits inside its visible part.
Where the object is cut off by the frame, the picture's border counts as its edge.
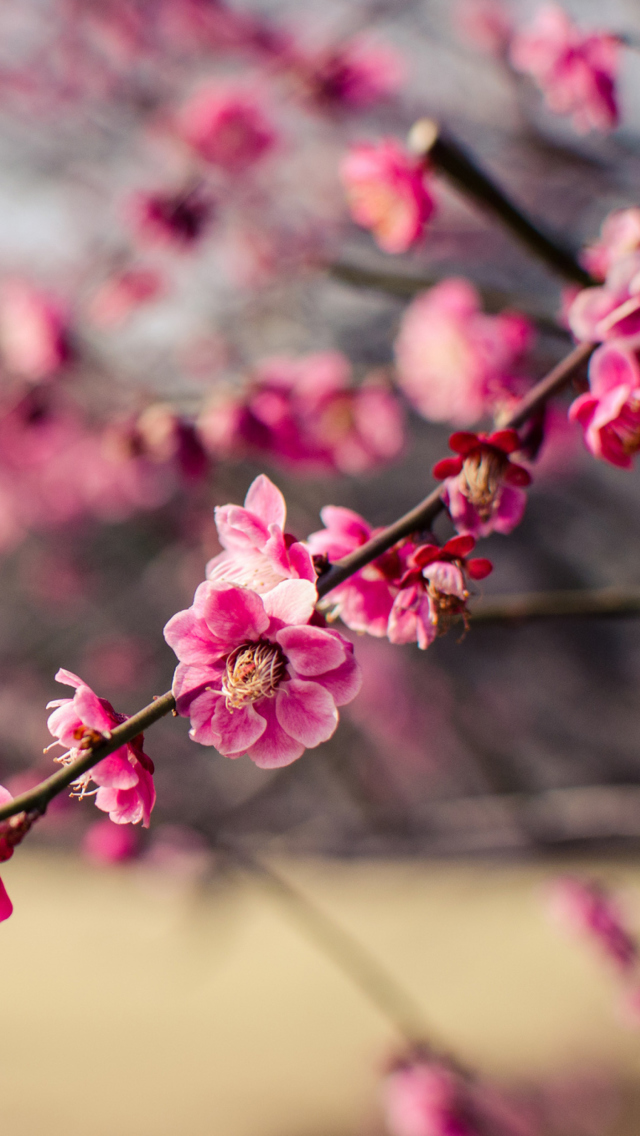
(446, 155)
(422, 516)
(37, 799)
(546, 605)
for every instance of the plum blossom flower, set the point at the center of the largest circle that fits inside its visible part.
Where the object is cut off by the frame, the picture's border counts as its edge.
(609, 412)
(388, 193)
(226, 126)
(175, 219)
(357, 73)
(586, 908)
(107, 843)
(258, 554)
(454, 362)
(124, 779)
(576, 71)
(611, 310)
(254, 677)
(122, 294)
(6, 851)
(482, 486)
(33, 331)
(432, 593)
(619, 235)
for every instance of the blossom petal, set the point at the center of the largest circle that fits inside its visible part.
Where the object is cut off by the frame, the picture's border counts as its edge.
(306, 711)
(311, 650)
(93, 712)
(234, 614)
(344, 682)
(68, 678)
(115, 771)
(189, 636)
(276, 747)
(6, 906)
(292, 601)
(266, 501)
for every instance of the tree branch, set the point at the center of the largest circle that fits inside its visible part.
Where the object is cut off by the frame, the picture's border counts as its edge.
(550, 605)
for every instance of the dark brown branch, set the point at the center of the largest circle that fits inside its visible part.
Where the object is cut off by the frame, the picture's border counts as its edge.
(601, 602)
(447, 156)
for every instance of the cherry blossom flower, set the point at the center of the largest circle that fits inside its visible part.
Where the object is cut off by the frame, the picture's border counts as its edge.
(107, 843)
(226, 126)
(175, 219)
(620, 235)
(585, 907)
(611, 310)
(485, 24)
(482, 486)
(258, 554)
(454, 362)
(6, 852)
(576, 71)
(125, 778)
(355, 74)
(609, 412)
(33, 331)
(388, 193)
(432, 592)
(254, 677)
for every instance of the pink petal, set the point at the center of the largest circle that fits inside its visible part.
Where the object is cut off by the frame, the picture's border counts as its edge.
(292, 601)
(190, 681)
(92, 711)
(123, 805)
(276, 747)
(611, 366)
(239, 529)
(344, 682)
(5, 796)
(306, 711)
(311, 650)
(6, 906)
(68, 678)
(301, 562)
(237, 730)
(115, 771)
(266, 501)
(510, 510)
(234, 615)
(188, 635)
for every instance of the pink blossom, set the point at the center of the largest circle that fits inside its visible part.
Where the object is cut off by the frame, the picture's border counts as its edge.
(484, 24)
(609, 412)
(425, 1096)
(225, 125)
(585, 907)
(482, 486)
(357, 73)
(611, 310)
(175, 219)
(122, 294)
(254, 677)
(33, 331)
(576, 71)
(107, 843)
(619, 235)
(125, 778)
(258, 554)
(6, 851)
(388, 193)
(162, 435)
(432, 593)
(454, 362)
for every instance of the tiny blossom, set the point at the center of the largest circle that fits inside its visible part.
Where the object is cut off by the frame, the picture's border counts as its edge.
(226, 126)
(611, 310)
(609, 412)
(388, 193)
(162, 435)
(124, 779)
(257, 552)
(33, 332)
(454, 362)
(585, 907)
(354, 74)
(482, 486)
(576, 71)
(122, 294)
(432, 591)
(254, 677)
(619, 235)
(175, 219)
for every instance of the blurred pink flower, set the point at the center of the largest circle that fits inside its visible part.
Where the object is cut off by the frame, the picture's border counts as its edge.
(388, 193)
(254, 677)
(33, 331)
(585, 907)
(619, 235)
(226, 126)
(121, 295)
(107, 843)
(482, 486)
(258, 554)
(125, 778)
(427, 1096)
(576, 71)
(609, 412)
(486, 25)
(357, 73)
(454, 362)
(175, 219)
(612, 310)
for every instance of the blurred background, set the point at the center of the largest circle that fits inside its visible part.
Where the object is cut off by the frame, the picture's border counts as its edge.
(157, 987)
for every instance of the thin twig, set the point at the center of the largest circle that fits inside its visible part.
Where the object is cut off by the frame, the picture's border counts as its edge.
(623, 602)
(38, 798)
(447, 156)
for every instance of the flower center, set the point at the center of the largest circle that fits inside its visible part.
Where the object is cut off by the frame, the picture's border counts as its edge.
(627, 426)
(447, 607)
(254, 670)
(483, 471)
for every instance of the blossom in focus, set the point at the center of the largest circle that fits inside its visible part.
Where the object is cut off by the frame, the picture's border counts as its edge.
(226, 127)
(107, 843)
(483, 486)
(175, 219)
(484, 24)
(6, 851)
(432, 592)
(585, 907)
(609, 412)
(33, 332)
(122, 294)
(254, 677)
(357, 73)
(258, 554)
(125, 778)
(611, 310)
(454, 362)
(388, 193)
(576, 71)
(619, 235)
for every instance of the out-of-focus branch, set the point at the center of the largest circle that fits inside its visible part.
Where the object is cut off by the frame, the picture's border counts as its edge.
(422, 516)
(444, 154)
(37, 799)
(550, 605)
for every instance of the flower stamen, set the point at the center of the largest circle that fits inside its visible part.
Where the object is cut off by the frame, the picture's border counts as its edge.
(254, 671)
